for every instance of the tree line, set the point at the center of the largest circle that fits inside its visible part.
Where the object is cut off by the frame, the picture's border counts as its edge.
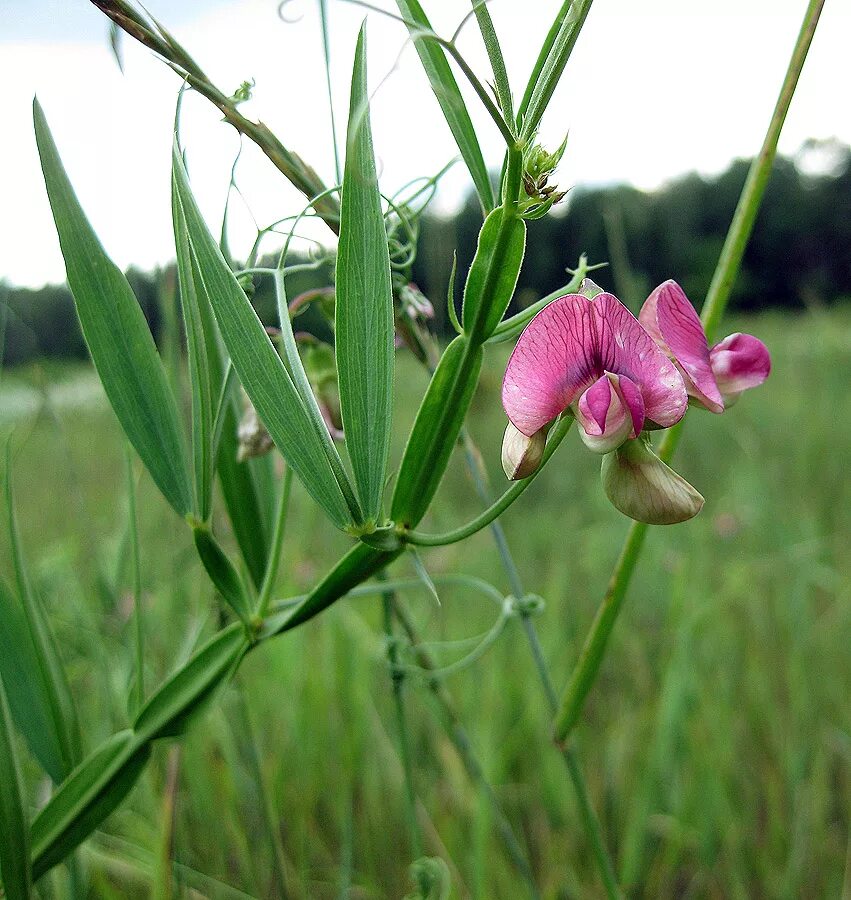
(799, 255)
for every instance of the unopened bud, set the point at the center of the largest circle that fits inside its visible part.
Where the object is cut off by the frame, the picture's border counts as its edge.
(642, 487)
(521, 455)
(254, 439)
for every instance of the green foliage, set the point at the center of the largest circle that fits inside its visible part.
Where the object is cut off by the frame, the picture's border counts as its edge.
(364, 307)
(222, 571)
(732, 646)
(494, 272)
(263, 375)
(168, 711)
(14, 848)
(204, 391)
(88, 796)
(441, 413)
(117, 335)
(50, 724)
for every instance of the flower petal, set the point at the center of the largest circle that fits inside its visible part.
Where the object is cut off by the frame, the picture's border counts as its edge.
(673, 323)
(626, 348)
(642, 487)
(739, 362)
(552, 364)
(521, 455)
(609, 412)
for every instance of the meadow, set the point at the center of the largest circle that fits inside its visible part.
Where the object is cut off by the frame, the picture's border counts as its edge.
(716, 744)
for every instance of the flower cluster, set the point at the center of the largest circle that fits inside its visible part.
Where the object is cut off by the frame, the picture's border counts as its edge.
(622, 377)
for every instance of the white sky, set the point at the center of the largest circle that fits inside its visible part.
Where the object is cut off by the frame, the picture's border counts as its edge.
(653, 89)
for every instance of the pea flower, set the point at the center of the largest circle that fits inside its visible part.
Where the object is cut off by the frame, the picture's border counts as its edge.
(715, 377)
(593, 357)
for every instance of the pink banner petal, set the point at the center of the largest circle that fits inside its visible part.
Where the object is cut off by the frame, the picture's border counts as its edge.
(625, 348)
(552, 364)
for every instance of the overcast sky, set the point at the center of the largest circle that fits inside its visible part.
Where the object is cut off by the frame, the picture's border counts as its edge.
(653, 89)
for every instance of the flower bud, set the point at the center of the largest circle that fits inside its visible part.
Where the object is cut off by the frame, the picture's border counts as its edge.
(521, 455)
(254, 439)
(642, 487)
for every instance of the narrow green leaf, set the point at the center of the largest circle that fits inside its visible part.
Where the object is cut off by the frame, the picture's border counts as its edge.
(117, 335)
(450, 297)
(14, 846)
(551, 62)
(93, 791)
(39, 652)
(449, 97)
(191, 298)
(168, 711)
(241, 482)
(436, 430)
(493, 273)
(27, 696)
(364, 308)
(500, 75)
(222, 572)
(259, 367)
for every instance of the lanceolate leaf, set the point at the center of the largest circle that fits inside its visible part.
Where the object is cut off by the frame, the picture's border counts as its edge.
(449, 97)
(203, 398)
(263, 375)
(551, 62)
(14, 846)
(37, 649)
(117, 335)
(25, 688)
(82, 802)
(364, 308)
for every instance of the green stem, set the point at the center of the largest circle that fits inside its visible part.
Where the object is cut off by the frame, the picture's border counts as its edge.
(458, 735)
(267, 804)
(276, 549)
(138, 629)
(397, 675)
(586, 810)
(496, 509)
(589, 818)
(591, 656)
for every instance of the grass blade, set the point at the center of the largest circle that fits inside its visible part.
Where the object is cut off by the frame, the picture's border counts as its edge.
(35, 648)
(117, 335)
(551, 62)
(364, 308)
(14, 848)
(500, 75)
(191, 297)
(259, 367)
(449, 97)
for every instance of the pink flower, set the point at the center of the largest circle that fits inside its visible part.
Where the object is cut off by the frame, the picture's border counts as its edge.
(592, 356)
(714, 378)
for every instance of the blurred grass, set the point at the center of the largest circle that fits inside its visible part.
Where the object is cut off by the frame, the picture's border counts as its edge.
(717, 742)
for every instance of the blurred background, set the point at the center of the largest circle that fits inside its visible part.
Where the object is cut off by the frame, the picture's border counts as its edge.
(717, 742)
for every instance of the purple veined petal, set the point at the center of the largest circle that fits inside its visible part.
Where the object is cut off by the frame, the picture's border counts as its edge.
(627, 349)
(553, 362)
(673, 323)
(739, 362)
(609, 412)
